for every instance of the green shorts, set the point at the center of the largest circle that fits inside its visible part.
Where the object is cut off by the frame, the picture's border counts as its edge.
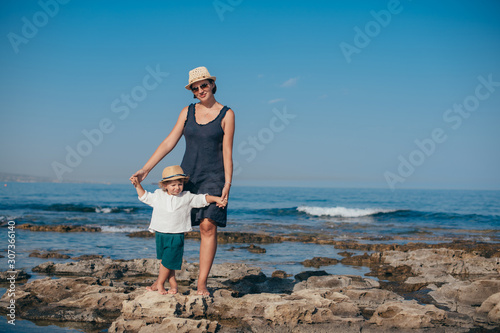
(170, 248)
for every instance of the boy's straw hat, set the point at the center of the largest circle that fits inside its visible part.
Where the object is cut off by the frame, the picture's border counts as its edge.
(198, 74)
(172, 173)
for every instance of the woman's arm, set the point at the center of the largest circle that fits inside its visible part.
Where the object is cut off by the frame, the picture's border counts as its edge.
(164, 148)
(228, 125)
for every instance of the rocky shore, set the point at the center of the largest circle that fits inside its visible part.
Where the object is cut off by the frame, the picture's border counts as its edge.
(447, 287)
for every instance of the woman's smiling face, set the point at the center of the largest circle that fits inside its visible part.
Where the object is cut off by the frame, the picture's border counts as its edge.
(202, 89)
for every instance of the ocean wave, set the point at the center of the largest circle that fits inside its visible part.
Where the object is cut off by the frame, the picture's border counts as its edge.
(343, 211)
(79, 208)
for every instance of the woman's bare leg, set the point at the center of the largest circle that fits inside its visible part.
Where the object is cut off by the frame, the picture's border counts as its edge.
(208, 248)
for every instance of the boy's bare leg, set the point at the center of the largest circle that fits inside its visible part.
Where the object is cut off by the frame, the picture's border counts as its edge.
(208, 248)
(172, 281)
(162, 277)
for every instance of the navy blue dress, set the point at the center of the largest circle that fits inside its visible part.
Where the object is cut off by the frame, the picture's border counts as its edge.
(203, 163)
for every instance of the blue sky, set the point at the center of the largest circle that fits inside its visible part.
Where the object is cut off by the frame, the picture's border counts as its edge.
(389, 94)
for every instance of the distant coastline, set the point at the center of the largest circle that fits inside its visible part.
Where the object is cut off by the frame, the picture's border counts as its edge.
(21, 178)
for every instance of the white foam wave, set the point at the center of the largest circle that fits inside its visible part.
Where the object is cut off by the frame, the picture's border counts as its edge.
(105, 210)
(341, 211)
(108, 228)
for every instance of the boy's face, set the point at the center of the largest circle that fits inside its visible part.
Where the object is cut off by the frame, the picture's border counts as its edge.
(174, 187)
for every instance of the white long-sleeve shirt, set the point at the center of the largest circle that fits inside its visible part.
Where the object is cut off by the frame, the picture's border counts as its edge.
(172, 213)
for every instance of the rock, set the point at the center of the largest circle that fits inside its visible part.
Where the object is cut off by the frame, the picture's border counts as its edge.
(17, 275)
(152, 307)
(408, 314)
(438, 264)
(490, 309)
(58, 228)
(369, 300)
(83, 299)
(101, 267)
(181, 325)
(144, 234)
(224, 237)
(280, 274)
(302, 276)
(254, 249)
(51, 254)
(317, 262)
(111, 292)
(336, 283)
(464, 296)
(88, 257)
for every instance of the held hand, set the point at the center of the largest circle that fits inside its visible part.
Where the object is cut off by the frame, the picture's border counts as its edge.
(134, 181)
(139, 176)
(225, 195)
(221, 202)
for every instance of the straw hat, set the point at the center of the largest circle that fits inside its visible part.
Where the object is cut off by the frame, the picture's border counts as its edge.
(198, 74)
(172, 173)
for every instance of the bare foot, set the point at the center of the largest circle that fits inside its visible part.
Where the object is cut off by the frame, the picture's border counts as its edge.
(153, 287)
(172, 291)
(162, 291)
(203, 292)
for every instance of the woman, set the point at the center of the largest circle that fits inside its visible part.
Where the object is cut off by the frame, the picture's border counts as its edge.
(208, 128)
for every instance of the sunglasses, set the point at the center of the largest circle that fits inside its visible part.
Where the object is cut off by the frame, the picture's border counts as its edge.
(202, 86)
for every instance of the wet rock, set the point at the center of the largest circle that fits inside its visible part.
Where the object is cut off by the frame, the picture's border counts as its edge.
(101, 267)
(143, 234)
(361, 260)
(254, 249)
(242, 237)
(302, 276)
(51, 254)
(88, 257)
(17, 276)
(280, 274)
(317, 262)
(58, 228)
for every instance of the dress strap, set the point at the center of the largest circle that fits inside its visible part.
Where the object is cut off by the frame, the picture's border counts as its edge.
(190, 113)
(223, 112)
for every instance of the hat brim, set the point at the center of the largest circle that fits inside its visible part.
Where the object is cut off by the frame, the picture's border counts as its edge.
(188, 87)
(186, 178)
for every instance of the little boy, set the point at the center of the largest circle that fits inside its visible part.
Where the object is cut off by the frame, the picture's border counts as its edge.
(171, 218)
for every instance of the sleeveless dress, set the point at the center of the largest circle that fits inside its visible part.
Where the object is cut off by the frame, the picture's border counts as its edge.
(204, 165)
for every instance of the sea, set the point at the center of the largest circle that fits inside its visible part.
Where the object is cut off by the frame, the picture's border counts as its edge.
(348, 214)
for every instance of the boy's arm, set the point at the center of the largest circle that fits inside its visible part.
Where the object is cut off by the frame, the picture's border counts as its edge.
(140, 190)
(218, 200)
